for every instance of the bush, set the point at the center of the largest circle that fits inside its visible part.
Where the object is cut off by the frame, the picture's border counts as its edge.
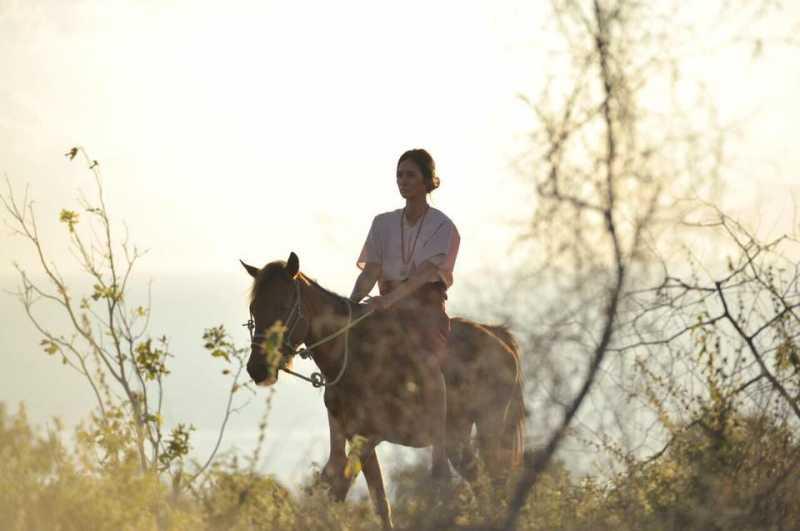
(736, 475)
(46, 486)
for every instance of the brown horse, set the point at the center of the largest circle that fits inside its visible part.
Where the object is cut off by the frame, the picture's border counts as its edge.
(373, 378)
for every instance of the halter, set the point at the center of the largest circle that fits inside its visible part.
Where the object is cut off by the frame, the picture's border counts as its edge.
(317, 379)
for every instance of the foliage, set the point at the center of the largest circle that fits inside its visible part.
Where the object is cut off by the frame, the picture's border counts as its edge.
(46, 486)
(107, 339)
(732, 478)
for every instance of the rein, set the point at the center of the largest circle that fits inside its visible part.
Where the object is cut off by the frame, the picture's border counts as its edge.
(317, 379)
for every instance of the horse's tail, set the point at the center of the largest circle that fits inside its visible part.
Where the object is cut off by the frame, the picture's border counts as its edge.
(512, 432)
(515, 423)
(504, 334)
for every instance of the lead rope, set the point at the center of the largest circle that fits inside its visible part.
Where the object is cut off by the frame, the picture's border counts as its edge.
(317, 379)
(306, 352)
(346, 346)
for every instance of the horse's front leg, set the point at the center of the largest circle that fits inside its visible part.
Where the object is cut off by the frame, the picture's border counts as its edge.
(372, 473)
(333, 474)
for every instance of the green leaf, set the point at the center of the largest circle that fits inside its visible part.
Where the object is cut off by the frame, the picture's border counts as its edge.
(151, 361)
(353, 466)
(69, 217)
(50, 346)
(110, 292)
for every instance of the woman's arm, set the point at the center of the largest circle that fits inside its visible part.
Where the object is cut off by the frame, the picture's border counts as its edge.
(426, 272)
(366, 281)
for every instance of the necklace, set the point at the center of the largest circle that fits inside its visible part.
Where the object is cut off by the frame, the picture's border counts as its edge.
(407, 261)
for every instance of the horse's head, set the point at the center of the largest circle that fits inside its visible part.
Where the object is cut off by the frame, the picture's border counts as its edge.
(275, 298)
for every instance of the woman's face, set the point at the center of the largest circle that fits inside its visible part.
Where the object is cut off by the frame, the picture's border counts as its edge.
(410, 182)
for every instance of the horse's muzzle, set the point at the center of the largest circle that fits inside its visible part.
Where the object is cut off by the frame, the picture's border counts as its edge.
(260, 374)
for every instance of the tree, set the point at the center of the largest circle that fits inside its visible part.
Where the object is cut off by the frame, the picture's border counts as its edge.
(618, 159)
(738, 323)
(109, 342)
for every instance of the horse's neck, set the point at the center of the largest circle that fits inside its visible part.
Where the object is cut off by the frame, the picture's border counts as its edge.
(326, 316)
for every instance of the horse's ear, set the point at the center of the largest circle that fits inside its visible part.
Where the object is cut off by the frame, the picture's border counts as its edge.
(293, 265)
(250, 269)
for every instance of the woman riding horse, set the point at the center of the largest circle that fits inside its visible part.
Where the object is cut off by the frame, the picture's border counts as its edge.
(382, 363)
(410, 253)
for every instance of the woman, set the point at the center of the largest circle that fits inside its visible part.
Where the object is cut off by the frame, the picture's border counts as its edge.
(410, 253)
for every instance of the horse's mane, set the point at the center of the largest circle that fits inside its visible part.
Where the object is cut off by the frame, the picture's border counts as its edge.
(341, 301)
(272, 269)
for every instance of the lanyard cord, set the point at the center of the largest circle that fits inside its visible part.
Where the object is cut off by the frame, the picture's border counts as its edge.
(413, 248)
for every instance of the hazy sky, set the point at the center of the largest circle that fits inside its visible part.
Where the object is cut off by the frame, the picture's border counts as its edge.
(265, 127)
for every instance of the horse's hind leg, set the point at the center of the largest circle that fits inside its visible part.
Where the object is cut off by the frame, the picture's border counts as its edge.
(435, 396)
(460, 450)
(498, 442)
(372, 473)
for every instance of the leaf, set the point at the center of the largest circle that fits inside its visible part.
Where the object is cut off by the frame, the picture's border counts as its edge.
(69, 217)
(151, 360)
(353, 466)
(156, 419)
(271, 345)
(786, 356)
(50, 346)
(110, 292)
(218, 343)
(219, 353)
(72, 153)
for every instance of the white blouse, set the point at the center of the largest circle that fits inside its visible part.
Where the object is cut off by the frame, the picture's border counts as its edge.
(437, 243)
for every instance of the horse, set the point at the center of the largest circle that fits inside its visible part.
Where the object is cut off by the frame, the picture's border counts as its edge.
(373, 382)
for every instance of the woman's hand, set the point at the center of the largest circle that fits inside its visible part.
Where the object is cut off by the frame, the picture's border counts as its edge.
(377, 304)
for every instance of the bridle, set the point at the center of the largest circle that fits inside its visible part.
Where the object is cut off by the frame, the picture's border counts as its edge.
(317, 379)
